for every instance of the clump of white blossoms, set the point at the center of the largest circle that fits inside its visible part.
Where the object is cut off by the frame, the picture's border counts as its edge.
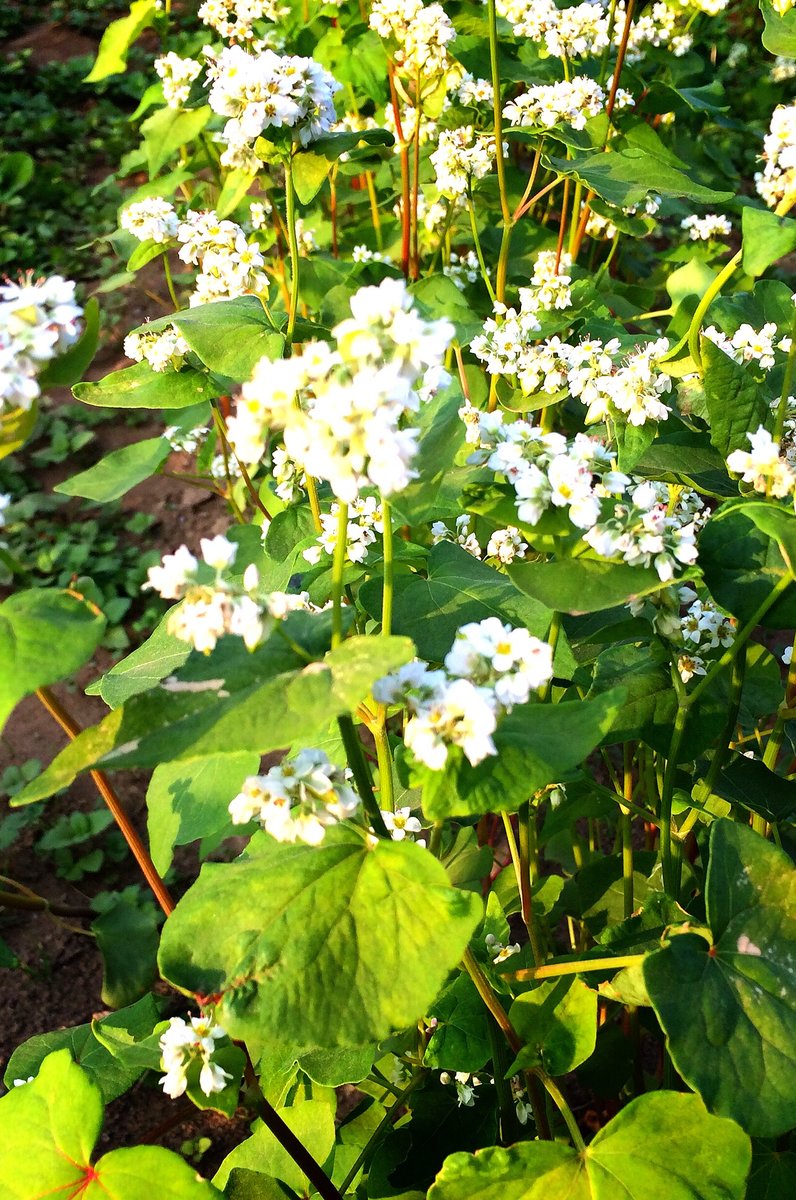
(268, 92)
(233, 19)
(461, 157)
(364, 523)
(546, 470)
(420, 34)
(550, 283)
(462, 268)
(776, 183)
(656, 26)
(764, 466)
(490, 668)
(462, 536)
(702, 229)
(229, 261)
(471, 92)
(298, 800)
(38, 321)
(644, 533)
(185, 1043)
(162, 349)
(564, 32)
(465, 1085)
(213, 603)
(150, 220)
(505, 545)
(703, 628)
(177, 75)
(748, 344)
(570, 102)
(345, 411)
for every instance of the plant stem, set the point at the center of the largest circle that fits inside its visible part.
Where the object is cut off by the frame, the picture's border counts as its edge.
(620, 62)
(387, 1120)
(627, 833)
(103, 786)
(33, 903)
(670, 868)
(479, 252)
(557, 1096)
(736, 687)
(387, 591)
(338, 566)
(295, 270)
(525, 815)
(170, 282)
(497, 111)
(787, 383)
(359, 768)
(384, 760)
(300, 1155)
(695, 328)
(582, 966)
(490, 999)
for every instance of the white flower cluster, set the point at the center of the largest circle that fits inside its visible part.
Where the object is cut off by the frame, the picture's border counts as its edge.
(349, 427)
(522, 1106)
(777, 181)
(465, 1084)
(422, 34)
(298, 800)
(504, 544)
(38, 321)
(643, 532)
(186, 1042)
(462, 156)
(490, 668)
(607, 380)
(748, 344)
(233, 19)
(462, 268)
(656, 26)
(764, 466)
(212, 604)
(570, 102)
(364, 522)
(150, 220)
(471, 92)
(702, 229)
(703, 627)
(177, 74)
(268, 91)
(546, 470)
(566, 32)
(550, 283)
(229, 262)
(162, 349)
(463, 535)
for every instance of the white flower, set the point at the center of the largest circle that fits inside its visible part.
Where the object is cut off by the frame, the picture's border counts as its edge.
(153, 219)
(777, 181)
(689, 665)
(174, 573)
(401, 824)
(297, 800)
(506, 545)
(511, 661)
(763, 466)
(570, 102)
(461, 157)
(704, 228)
(234, 19)
(38, 321)
(161, 349)
(184, 1043)
(177, 74)
(465, 1084)
(420, 33)
(218, 552)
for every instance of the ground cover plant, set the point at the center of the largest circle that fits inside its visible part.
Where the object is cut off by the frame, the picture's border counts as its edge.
(481, 711)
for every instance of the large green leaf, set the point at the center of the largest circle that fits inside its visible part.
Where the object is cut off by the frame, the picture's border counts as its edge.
(313, 1124)
(169, 129)
(557, 1021)
(766, 237)
(650, 699)
(311, 167)
(45, 635)
(742, 563)
(736, 403)
(50, 1127)
(663, 1145)
(779, 36)
(582, 585)
(141, 387)
(230, 336)
(299, 956)
(127, 937)
(625, 177)
(536, 744)
(460, 1041)
(458, 589)
(118, 471)
(188, 800)
(729, 1010)
(118, 38)
(160, 655)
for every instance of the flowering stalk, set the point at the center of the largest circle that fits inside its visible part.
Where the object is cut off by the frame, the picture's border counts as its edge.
(388, 584)
(295, 258)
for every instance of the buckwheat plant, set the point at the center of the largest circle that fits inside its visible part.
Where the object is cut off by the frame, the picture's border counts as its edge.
(473, 720)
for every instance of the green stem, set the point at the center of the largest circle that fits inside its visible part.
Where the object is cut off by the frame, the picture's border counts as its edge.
(557, 1096)
(626, 824)
(509, 1131)
(581, 966)
(525, 816)
(490, 999)
(787, 383)
(384, 1124)
(734, 703)
(387, 590)
(695, 328)
(479, 252)
(359, 768)
(338, 566)
(295, 270)
(170, 282)
(497, 111)
(384, 760)
(670, 867)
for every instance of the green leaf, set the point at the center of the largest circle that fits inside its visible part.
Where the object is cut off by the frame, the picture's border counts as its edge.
(16, 426)
(231, 336)
(729, 1010)
(111, 1077)
(315, 937)
(131, 1035)
(118, 472)
(536, 744)
(16, 172)
(70, 366)
(779, 36)
(736, 403)
(118, 38)
(311, 167)
(458, 589)
(145, 252)
(766, 237)
(749, 783)
(742, 564)
(650, 699)
(45, 635)
(460, 1041)
(188, 800)
(662, 1145)
(557, 1021)
(626, 177)
(141, 387)
(160, 655)
(585, 585)
(168, 129)
(127, 937)
(313, 1124)
(439, 298)
(773, 1174)
(50, 1127)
